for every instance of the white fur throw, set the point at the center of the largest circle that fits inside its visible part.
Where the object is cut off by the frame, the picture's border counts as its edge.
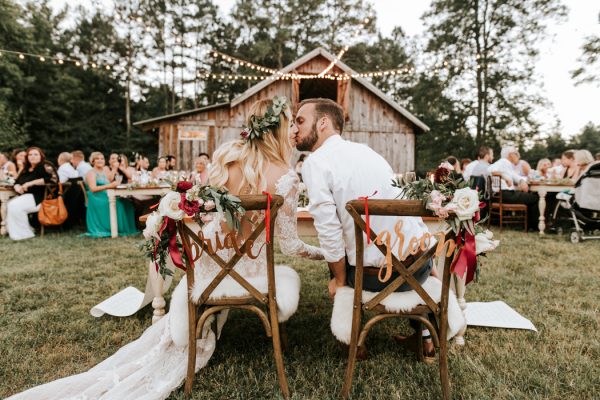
(341, 317)
(287, 287)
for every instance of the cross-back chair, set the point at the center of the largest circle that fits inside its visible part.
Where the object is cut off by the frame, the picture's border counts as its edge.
(262, 304)
(504, 213)
(438, 327)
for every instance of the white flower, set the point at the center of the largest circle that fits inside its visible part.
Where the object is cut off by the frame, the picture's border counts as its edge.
(153, 224)
(169, 206)
(484, 242)
(206, 218)
(466, 201)
(209, 205)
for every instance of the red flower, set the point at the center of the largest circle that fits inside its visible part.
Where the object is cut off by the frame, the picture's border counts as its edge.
(184, 186)
(189, 207)
(244, 134)
(441, 175)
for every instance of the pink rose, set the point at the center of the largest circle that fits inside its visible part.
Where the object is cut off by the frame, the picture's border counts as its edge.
(209, 205)
(206, 218)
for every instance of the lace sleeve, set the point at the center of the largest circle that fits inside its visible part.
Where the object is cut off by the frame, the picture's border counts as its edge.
(286, 225)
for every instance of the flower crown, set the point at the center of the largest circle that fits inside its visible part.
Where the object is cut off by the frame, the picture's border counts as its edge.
(258, 126)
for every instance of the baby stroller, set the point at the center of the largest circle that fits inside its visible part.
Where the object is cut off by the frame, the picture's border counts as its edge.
(583, 205)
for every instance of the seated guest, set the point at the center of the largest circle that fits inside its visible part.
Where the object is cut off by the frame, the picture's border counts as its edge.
(171, 163)
(200, 175)
(142, 164)
(557, 170)
(78, 161)
(161, 169)
(457, 173)
(567, 160)
(523, 168)
(98, 214)
(18, 158)
(119, 166)
(65, 169)
(485, 156)
(514, 186)
(463, 164)
(543, 168)
(7, 167)
(31, 186)
(583, 159)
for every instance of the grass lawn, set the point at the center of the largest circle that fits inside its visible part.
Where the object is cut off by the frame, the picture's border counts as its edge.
(48, 285)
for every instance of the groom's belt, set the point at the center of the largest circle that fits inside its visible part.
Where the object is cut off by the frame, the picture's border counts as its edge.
(408, 261)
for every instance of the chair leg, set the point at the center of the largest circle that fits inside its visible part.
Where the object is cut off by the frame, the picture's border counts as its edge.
(284, 337)
(443, 358)
(419, 332)
(278, 353)
(526, 220)
(352, 351)
(191, 367)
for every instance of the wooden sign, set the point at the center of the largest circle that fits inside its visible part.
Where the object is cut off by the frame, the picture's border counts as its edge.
(197, 133)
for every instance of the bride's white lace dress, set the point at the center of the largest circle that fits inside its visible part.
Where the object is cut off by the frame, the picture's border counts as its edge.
(154, 365)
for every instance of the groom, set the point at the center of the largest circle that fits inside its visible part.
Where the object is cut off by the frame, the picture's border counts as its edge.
(336, 172)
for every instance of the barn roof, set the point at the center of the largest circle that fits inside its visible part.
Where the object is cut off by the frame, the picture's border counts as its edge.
(290, 68)
(319, 51)
(180, 114)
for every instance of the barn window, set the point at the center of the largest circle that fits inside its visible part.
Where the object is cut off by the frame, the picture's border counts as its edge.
(326, 88)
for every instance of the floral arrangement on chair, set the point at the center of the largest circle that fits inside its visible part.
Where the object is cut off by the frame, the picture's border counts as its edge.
(199, 202)
(459, 205)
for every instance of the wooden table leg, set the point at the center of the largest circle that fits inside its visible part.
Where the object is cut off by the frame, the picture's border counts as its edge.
(112, 206)
(542, 209)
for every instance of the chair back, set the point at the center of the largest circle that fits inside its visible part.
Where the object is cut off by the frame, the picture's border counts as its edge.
(495, 184)
(398, 208)
(194, 245)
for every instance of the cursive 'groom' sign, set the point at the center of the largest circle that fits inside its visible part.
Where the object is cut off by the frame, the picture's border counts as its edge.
(415, 246)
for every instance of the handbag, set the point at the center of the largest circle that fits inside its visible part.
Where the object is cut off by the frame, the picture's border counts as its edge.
(52, 210)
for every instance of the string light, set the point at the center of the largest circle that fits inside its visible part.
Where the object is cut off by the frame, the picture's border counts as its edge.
(344, 49)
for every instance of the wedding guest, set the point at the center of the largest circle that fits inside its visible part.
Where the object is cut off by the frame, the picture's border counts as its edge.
(126, 170)
(7, 167)
(523, 168)
(486, 157)
(30, 185)
(171, 163)
(200, 175)
(142, 164)
(463, 164)
(582, 158)
(78, 161)
(18, 158)
(65, 169)
(567, 160)
(513, 185)
(543, 168)
(98, 212)
(457, 172)
(161, 169)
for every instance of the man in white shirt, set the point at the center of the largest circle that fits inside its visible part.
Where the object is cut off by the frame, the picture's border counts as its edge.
(485, 156)
(65, 169)
(336, 172)
(80, 164)
(514, 186)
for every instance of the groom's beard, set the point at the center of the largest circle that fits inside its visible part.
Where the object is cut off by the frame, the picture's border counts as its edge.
(308, 142)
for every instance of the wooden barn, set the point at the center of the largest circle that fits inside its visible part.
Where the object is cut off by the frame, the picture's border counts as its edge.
(372, 117)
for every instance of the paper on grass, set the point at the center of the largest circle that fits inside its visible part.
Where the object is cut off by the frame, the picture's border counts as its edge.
(496, 314)
(129, 300)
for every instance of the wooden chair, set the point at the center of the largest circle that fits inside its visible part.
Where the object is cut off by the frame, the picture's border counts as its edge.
(438, 329)
(506, 214)
(262, 304)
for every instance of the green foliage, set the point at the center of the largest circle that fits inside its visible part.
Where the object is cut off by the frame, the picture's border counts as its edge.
(588, 70)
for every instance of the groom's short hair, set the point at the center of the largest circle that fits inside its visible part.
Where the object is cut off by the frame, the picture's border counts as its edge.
(327, 107)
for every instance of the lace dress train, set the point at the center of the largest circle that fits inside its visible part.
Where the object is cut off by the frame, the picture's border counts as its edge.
(154, 365)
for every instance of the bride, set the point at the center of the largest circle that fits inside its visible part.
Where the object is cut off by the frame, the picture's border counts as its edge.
(154, 365)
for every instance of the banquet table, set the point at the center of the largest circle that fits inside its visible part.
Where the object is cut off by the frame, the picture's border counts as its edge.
(543, 188)
(6, 192)
(125, 191)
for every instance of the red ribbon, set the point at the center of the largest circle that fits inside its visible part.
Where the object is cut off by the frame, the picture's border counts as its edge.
(367, 218)
(268, 216)
(465, 261)
(169, 225)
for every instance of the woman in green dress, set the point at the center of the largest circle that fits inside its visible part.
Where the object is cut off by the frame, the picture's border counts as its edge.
(98, 214)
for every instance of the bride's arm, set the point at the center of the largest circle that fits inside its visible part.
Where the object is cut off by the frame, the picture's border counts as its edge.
(286, 226)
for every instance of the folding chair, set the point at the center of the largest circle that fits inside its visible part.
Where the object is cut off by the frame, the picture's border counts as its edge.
(262, 304)
(438, 328)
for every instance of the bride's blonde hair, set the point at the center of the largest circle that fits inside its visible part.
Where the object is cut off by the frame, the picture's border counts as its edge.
(254, 155)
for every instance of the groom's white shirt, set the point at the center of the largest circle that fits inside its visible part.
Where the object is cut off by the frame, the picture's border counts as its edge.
(340, 171)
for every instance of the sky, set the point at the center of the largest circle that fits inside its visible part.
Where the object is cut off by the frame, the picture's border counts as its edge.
(573, 105)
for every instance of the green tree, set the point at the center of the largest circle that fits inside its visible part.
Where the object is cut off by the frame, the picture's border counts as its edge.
(589, 62)
(486, 48)
(588, 138)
